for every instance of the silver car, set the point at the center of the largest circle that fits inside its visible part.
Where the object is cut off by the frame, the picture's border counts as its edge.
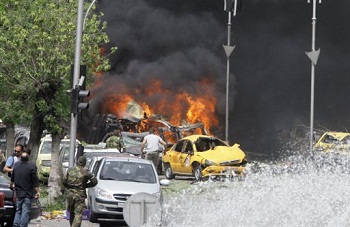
(118, 179)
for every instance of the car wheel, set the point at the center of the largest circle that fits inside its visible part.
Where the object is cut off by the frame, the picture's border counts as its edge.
(197, 172)
(168, 172)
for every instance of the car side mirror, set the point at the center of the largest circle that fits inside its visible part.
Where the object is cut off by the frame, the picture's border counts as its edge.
(191, 152)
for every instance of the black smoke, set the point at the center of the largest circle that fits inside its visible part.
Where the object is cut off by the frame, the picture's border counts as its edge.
(179, 41)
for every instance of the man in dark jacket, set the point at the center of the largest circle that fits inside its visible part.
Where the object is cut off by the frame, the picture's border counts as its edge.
(26, 183)
(76, 182)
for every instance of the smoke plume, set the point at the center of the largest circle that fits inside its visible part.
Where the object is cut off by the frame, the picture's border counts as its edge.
(179, 42)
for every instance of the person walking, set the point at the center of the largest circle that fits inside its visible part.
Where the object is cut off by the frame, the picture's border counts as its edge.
(24, 180)
(76, 181)
(150, 147)
(10, 162)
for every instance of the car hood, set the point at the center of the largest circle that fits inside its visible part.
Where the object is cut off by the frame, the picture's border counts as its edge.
(127, 187)
(223, 154)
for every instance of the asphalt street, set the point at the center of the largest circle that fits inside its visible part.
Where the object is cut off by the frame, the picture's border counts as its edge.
(65, 223)
(176, 185)
(58, 223)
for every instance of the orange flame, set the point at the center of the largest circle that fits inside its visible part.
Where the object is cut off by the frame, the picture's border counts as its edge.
(180, 107)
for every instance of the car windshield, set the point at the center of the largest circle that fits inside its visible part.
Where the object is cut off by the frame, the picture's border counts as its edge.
(346, 140)
(46, 148)
(128, 171)
(204, 143)
(89, 156)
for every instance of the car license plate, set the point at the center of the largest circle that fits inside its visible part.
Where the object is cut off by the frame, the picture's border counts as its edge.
(120, 205)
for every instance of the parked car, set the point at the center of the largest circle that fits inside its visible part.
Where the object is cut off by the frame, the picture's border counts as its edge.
(337, 142)
(43, 161)
(203, 156)
(118, 179)
(10, 200)
(89, 152)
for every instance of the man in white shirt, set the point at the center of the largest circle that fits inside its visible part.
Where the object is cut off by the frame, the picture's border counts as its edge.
(150, 147)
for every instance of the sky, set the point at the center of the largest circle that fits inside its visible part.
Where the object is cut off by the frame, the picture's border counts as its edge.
(177, 41)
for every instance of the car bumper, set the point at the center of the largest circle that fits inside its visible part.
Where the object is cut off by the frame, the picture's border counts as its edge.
(223, 170)
(108, 209)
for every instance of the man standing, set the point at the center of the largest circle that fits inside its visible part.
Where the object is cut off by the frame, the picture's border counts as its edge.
(76, 181)
(13, 159)
(152, 143)
(26, 183)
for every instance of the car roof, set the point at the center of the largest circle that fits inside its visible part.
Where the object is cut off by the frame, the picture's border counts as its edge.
(128, 158)
(104, 154)
(111, 150)
(196, 136)
(338, 135)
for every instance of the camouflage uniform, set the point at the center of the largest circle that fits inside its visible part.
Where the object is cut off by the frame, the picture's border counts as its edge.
(76, 182)
(115, 142)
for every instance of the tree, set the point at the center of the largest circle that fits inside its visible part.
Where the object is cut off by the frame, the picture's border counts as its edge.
(37, 45)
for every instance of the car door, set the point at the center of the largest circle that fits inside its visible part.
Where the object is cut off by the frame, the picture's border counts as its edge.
(185, 158)
(89, 191)
(175, 156)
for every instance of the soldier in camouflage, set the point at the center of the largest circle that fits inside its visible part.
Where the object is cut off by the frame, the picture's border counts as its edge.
(115, 141)
(76, 181)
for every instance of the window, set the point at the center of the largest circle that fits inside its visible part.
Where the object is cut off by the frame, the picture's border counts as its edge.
(179, 146)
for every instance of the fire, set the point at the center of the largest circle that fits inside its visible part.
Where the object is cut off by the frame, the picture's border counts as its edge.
(178, 106)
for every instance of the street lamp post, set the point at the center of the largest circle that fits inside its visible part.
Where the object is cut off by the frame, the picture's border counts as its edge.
(231, 7)
(76, 73)
(313, 55)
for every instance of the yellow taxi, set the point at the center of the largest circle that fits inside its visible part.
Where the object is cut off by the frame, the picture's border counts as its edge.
(333, 142)
(203, 156)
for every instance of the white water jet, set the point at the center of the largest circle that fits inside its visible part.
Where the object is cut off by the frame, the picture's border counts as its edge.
(299, 191)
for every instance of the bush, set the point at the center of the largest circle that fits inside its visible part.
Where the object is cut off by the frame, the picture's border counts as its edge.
(58, 204)
(49, 205)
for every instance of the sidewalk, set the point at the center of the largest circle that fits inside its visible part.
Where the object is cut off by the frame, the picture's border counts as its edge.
(58, 223)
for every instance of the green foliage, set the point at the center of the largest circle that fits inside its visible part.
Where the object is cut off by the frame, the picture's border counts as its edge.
(37, 48)
(58, 204)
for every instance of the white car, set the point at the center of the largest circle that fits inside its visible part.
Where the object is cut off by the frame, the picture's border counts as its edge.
(118, 179)
(88, 152)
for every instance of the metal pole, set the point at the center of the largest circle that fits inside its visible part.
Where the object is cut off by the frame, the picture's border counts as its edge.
(313, 55)
(312, 76)
(73, 127)
(228, 76)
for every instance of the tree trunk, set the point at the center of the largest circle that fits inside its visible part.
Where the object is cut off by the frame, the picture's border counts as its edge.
(10, 138)
(56, 174)
(36, 131)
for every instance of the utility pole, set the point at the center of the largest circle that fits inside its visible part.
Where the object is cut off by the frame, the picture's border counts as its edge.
(313, 55)
(76, 74)
(231, 7)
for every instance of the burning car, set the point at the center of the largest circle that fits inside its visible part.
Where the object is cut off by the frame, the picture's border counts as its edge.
(202, 156)
(337, 142)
